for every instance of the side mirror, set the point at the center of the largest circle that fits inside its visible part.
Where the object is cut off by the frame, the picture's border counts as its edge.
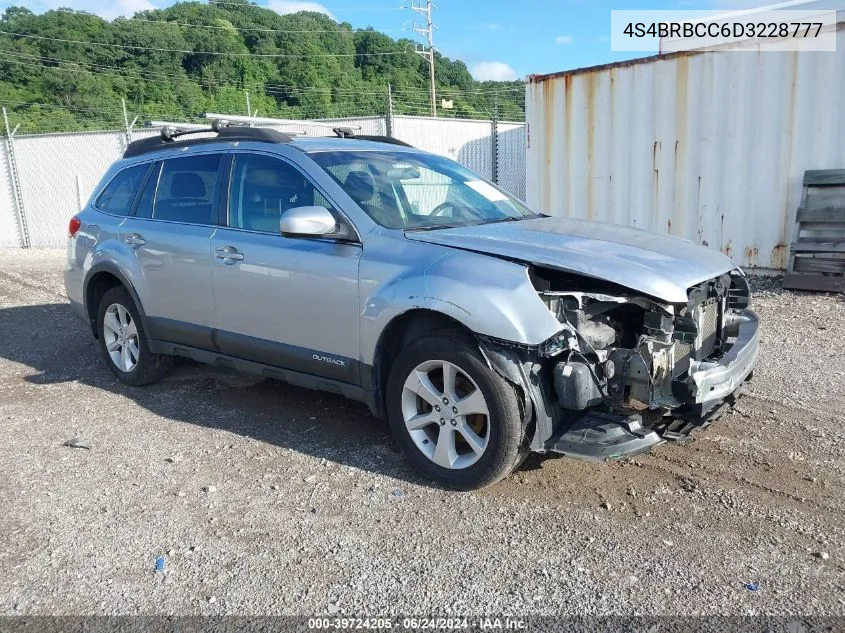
(308, 222)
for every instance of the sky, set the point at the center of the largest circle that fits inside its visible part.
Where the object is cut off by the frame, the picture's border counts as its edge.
(497, 39)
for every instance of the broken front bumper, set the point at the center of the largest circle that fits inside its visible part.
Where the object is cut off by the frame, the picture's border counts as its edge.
(710, 382)
(706, 391)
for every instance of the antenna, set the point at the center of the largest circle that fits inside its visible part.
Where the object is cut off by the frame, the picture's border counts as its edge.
(424, 7)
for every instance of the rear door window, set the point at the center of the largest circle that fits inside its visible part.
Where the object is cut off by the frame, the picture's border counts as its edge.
(118, 195)
(186, 189)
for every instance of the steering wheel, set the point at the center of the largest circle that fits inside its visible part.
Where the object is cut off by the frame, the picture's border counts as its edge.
(441, 208)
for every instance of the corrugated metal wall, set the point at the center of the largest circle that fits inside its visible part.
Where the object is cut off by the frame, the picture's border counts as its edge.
(707, 146)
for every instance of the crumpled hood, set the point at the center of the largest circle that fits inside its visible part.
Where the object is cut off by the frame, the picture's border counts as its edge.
(661, 266)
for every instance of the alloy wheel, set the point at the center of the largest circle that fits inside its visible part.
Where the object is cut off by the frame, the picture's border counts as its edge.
(121, 337)
(446, 414)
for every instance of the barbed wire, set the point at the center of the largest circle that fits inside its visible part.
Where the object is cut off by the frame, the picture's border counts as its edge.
(112, 117)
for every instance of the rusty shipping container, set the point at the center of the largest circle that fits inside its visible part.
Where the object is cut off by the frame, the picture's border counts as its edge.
(710, 146)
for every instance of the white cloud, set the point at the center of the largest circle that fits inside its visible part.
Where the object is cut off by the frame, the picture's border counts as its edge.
(126, 8)
(490, 26)
(563, 39)
(493, 71)
(293, 6)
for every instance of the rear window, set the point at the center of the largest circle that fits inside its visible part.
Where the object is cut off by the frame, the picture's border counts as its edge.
(186, 188)
(118, 195)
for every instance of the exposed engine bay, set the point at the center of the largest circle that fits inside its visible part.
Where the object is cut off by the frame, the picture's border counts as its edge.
(617, 347)
(628, 371)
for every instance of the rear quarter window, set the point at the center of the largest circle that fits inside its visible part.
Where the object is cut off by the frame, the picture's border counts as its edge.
(118, 195)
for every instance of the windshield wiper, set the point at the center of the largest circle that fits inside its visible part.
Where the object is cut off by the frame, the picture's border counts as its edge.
(507, 219)
(433, 227)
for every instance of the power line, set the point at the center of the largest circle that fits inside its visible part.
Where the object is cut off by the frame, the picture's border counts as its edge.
(414, 102)
(410, 98)
(273, 88)
(269, 90)
(61, 107)
(284, 91)
(259, 6)
(190, 52)
(211, 83)
(239, 28)
(518, 89)
(260, 29)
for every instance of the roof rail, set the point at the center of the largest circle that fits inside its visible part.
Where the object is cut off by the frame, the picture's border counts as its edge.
(263, 120)
(345, 132)
(225, 133)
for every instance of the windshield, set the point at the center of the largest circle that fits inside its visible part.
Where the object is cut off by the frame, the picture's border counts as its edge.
(405, 190)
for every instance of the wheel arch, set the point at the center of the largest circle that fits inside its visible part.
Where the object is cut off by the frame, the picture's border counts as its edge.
(99, 280)
(476, 294)
(400, 331)
(414, 323)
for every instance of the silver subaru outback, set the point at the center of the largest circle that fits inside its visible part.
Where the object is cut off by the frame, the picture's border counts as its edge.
(480, 329)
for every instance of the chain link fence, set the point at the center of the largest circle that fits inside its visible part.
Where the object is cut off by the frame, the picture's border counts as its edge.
(46, 178)
(512, 141)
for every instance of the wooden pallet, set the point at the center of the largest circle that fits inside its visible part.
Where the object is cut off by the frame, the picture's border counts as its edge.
(817, 254)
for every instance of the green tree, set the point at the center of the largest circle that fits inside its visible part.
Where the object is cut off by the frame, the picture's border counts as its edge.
(67, 69)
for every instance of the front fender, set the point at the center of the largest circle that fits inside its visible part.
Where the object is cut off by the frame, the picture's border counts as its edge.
(489, 296)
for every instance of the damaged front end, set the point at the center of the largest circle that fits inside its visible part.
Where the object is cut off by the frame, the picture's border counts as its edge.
(626, 372)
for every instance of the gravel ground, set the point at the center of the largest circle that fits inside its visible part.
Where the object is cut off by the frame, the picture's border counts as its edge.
(267, 499)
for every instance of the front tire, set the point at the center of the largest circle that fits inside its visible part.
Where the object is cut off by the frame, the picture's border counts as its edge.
(457, 421)
(123, 341)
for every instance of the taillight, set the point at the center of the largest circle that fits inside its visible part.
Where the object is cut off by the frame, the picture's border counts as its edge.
(73, 227)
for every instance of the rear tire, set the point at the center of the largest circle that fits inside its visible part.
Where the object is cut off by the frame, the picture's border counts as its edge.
(123, 341)
(457, 421)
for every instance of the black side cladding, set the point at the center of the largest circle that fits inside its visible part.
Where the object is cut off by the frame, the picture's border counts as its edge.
(225, 134)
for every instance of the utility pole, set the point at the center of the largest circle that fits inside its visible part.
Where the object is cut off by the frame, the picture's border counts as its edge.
(424, 7)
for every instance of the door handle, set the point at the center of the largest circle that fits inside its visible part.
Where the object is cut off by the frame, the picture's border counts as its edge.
(229, 254)
(133, 239)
